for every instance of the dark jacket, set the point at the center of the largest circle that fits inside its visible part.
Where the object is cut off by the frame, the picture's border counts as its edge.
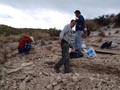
(80, 24)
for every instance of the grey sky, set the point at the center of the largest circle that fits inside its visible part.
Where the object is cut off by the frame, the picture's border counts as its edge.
(33, 8)
(88, 7)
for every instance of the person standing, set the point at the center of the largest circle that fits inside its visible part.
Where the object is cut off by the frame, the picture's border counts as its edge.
(79, 29)
(65, 42)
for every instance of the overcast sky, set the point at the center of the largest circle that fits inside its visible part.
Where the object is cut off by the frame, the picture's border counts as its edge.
(52, 13)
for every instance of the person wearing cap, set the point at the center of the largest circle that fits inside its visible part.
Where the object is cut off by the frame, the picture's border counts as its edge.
(79, 29)
(25, 45)
(65, 43)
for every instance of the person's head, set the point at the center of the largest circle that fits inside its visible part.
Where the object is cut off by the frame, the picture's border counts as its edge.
(32, 38)
(72, 23)
(77, 13)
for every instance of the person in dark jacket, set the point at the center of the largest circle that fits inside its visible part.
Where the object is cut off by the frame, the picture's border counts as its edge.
(79, 29)
(25, 45)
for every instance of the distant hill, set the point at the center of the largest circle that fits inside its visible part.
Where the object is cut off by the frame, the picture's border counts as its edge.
(104, 20)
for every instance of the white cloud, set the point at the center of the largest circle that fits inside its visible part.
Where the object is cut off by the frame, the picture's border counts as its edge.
(52, 13)
(39, 18)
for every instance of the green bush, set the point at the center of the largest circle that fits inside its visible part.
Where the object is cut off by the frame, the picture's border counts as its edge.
(54, 32)
(117, 20)
(103, 20)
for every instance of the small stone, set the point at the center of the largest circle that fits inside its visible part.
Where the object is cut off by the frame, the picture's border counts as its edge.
(64, 81)
(53, 75)
(43, 43)
(2, 82)
(70, 84)
(57, 87)
(52, 79)
(45, 73)
(49, 87)
(76, 74)
(54, 83)
(40, 73)
(74, 78)
(59, 79)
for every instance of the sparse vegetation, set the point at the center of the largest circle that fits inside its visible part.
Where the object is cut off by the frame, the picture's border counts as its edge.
(103, 20)
(117, 32)
(92, 25)
(117, 20)
(101, 33)
(109, 33)
(100, 40)
(9, 34)
(53, 32)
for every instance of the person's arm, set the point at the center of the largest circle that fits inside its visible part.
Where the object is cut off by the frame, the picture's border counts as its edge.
(62, 34)
(71, 45)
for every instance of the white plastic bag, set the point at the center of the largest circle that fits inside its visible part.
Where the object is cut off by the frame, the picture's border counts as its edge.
(114, 45)
(83, 45)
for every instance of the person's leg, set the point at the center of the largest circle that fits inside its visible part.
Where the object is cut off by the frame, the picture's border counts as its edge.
(78, 41)
(66, 64)
(66, 59)
(75, 41)
(27, 50)
(65, 53)
(20, 50)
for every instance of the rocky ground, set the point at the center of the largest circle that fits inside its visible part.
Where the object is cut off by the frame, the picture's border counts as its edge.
(35, 71)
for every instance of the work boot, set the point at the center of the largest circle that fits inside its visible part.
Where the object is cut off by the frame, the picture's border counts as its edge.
(56, 69)
(68, 71)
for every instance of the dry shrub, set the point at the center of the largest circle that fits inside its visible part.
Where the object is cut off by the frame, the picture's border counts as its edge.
(117, 32)
(3, 56)
(2, 38)
(50, 47)
(102, 34)
(109, 33)
(74, 64)
(39, 35)
(9, 34)
(16, 38)
(50, 42)
(11, 38)
(1, 45)
(43, 43)
(99, 40)
(92, 25)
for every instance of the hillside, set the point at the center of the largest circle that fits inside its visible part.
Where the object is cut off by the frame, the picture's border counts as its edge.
(35, 70)
(8, 34)
(104, 21)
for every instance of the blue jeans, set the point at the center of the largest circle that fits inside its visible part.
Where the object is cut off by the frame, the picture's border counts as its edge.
(78, 40)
